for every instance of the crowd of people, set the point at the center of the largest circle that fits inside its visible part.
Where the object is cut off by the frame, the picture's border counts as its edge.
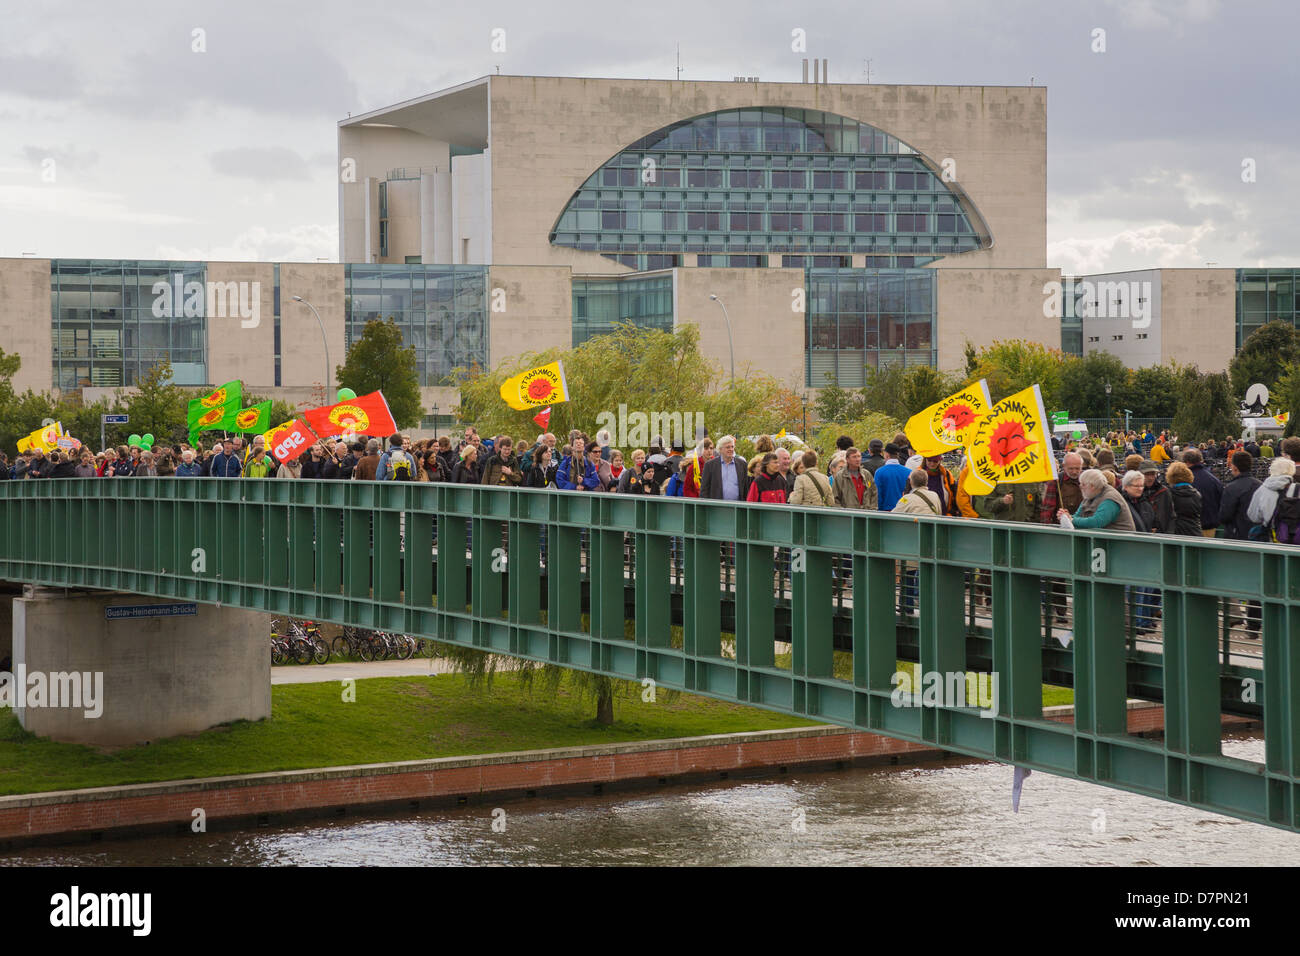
(1157, 487)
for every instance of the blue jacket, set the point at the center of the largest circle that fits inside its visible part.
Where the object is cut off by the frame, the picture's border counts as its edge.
(192, 470)
(891, 483)
(590, 477)
(225, 466)
(1211, 490)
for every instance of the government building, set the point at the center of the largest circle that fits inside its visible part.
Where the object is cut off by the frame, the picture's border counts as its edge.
(831, 227)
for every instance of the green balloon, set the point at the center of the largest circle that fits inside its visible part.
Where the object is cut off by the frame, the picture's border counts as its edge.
(346, 394)
(147, 439)
(133, 441)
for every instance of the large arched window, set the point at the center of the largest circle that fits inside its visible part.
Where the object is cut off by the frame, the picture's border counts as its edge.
(770, 180)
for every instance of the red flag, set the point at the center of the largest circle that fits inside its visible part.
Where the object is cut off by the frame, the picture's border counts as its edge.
(289, 440)
(543, 418)
(363, 415)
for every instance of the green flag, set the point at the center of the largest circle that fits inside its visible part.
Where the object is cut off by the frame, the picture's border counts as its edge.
(217, 410)
(255, 418)
(1060, 418)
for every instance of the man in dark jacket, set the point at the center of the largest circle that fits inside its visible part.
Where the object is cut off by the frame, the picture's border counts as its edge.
(1211, 490)
(875, 459)
(61, 467)
(1236, 497)
(227, 463)
(717, 484)
(1156, 494)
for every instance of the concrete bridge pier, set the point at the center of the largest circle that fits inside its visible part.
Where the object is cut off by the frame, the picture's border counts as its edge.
(83, 673)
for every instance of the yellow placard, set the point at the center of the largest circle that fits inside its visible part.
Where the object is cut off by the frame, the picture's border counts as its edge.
(1010, 444)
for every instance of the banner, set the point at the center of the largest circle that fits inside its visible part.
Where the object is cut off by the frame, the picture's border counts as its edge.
(217, 410)
(46, 438)
(947, 425)
(255, 418)
(286, 442)
(1011, 444)
(363, 415)
(536, 387)
(1060, 418)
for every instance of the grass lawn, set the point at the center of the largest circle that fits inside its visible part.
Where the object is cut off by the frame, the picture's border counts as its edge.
(393, 718)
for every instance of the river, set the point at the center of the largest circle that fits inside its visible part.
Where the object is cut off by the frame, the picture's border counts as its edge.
(934, 814)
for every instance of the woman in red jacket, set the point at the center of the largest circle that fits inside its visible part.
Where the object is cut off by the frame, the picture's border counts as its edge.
(768, 485)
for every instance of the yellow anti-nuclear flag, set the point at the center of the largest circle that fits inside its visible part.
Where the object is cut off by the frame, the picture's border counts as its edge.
(536, 387)
(1011, 444)
(46, 438)
(947, 425)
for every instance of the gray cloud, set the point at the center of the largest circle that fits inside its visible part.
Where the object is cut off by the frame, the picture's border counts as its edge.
(265, 164)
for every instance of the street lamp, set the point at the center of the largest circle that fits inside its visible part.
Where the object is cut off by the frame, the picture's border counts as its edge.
(730, 346)
(1108, 404)
(435, 422)
(298, 298)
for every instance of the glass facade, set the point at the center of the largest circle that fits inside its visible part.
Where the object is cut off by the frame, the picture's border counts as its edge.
(1072, 292)
(441, 310)
(110, 325)
(600, 303)
(858, 319)
(1266, 295)
(770, 180)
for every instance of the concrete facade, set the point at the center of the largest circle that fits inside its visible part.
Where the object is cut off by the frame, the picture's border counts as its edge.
(985, 305)
(25, 325)
(768, 334)
(161, 676)
(1199, 317)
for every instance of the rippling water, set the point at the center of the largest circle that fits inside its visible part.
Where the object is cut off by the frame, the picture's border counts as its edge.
(940, 815)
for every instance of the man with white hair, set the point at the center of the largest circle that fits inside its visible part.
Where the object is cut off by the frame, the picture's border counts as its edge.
(188, 468)
(724, 477)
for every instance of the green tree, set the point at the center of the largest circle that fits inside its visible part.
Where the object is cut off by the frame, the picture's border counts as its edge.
(1012, 365)
(1083, 386)
(377, 361)
(1262, 357)
(972, 361)
(833, 400)
(1285, 396)
(861, 430)
(1205, 406)
(923, 386)
(1155, 392)
(158, 406)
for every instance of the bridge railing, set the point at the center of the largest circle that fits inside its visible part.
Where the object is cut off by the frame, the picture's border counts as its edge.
(354, 553)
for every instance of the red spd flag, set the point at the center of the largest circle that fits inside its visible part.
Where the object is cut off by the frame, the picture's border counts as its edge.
(286, 442)
(543, 418)
(363, 415)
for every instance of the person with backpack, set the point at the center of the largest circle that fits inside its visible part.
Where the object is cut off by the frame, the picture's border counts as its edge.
(502, 468)
(919, 499)
(812, 489)
(396, 464)
(1264, 503)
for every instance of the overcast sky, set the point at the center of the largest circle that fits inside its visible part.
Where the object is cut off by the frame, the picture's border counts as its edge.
(161, 152)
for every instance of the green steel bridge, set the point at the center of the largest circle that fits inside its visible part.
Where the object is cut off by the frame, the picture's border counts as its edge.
(633, 587)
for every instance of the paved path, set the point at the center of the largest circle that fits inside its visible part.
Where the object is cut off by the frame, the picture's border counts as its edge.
(356, 670)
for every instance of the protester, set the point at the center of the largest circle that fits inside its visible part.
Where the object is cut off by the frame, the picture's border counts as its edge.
(1156, 493)
(188, 468)
(855, 489)
(874, 457)
(725, 477)
(293, 468)
(891, 479)
(367, 467)
(1263, 504)
(1210, 489)
(812, 489)
(1186, 499)
(502, 467)
(1102, 507)
(769, 485)
(1237, 496)
(942, 483)
(919, 500)
(466, 471)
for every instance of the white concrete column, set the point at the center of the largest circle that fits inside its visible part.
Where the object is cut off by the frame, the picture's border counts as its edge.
(127, 681)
